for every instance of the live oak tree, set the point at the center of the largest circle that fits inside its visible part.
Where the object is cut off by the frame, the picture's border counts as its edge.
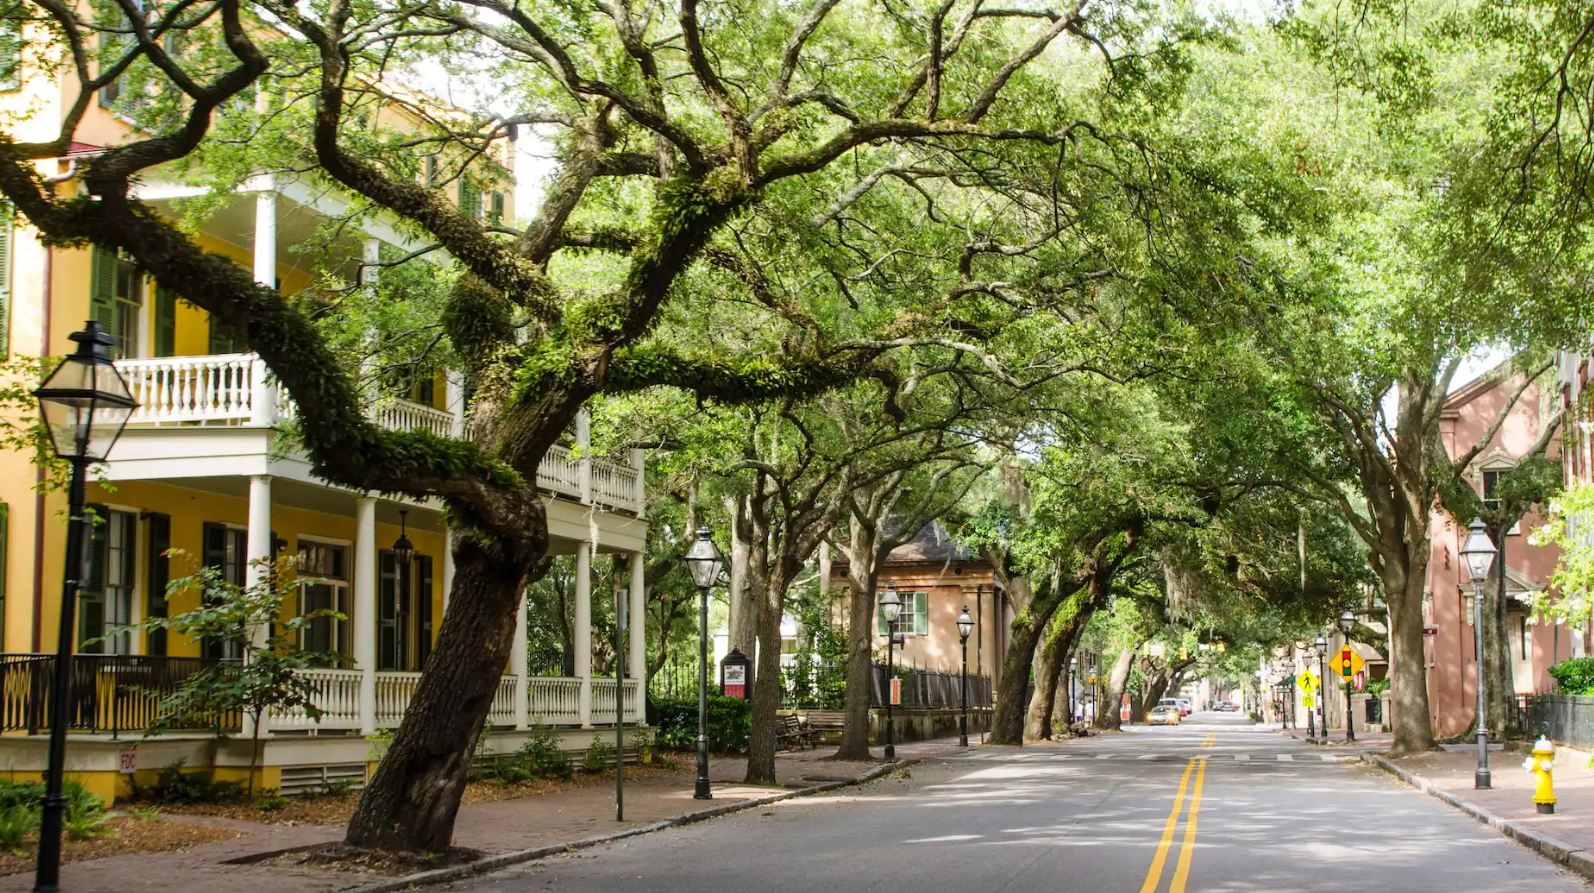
(670, 124)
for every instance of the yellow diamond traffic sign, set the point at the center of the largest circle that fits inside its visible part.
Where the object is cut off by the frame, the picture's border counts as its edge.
(1346, 663)
(1307, 681)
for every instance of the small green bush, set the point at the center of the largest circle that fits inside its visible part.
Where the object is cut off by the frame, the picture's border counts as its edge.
(541, 755)
(271, 801)
(599, 756)
(1574, 676)
(26, 794)
(16, 823)
(730, 723)
(173, 785)
(85, 814)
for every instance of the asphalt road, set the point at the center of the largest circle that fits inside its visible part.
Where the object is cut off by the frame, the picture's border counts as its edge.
(1211, 805)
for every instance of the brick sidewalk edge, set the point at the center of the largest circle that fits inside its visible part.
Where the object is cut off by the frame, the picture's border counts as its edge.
(516, 857)
(1552, 848)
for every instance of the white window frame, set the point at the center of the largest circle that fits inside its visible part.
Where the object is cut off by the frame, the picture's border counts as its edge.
(915, 605)
(345, 584)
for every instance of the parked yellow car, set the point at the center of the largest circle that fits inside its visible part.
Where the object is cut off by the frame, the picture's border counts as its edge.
(1166, 715)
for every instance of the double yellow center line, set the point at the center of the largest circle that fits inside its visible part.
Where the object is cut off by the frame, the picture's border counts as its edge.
(1210, 740)
(1181, 871)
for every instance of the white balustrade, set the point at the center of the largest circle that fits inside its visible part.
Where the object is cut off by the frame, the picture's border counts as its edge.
(503, 712)
(555, 700)
(179, 390)
(406, 415)
(603, 700)
(336, 693)
(223, 389)
(394, 690)
(560, 473)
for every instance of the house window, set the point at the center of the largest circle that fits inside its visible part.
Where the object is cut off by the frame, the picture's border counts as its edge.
(404, 618)
(226, 548)
(105, 599)
(324, 586)
(1491, 489)
(913, 620)
(495, 208)
(470, 198)
(7, 217)
(118, 299)
(10, 55)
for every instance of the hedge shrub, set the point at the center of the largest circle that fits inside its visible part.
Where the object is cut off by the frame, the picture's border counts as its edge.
(1574, 676)
(730, 723)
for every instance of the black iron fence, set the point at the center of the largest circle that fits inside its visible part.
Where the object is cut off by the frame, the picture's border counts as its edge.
(110, 692)
(1566, 719)
(814, 686)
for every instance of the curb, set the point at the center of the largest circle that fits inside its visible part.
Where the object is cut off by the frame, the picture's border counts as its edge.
(516, 857)
(1552, 848)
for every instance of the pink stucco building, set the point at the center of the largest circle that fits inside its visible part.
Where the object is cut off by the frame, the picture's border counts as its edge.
(1448, 601)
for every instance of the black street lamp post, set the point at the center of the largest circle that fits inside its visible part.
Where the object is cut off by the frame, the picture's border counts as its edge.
(1068, 690)
(705, 563)
(891, 607)
(965, 626)
(1478, 553)
(1322, 679)
(1095, 680)
(85, 404)
(1347, 622)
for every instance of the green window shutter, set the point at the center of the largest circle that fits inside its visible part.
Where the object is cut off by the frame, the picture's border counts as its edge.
(495, 214)
(165, 322)
(470, 198)
(431, 169)
(387, 611)
(157, 575)
(423, 610)
(7, 219)
(10, 56)
(5, 556)
(102, 301)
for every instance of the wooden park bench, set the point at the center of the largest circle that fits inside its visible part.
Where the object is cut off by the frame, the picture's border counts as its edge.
(823, 722)
(791, 731)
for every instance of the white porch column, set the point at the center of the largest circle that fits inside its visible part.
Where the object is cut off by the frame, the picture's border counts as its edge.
(262, 393)
(583, 634)
(637, 604)
(640, 495)
(364, 618)
(517, 667)
(454, 399)
(448, 566)
(258, 550)
(584, 445)
(266, 238)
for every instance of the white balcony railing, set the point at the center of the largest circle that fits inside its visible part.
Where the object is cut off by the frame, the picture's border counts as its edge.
(555, 701)
(393, 693)
(603, 700)
(336, 694)
(237, 389)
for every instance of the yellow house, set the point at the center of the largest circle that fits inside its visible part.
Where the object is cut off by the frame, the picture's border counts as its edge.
(201, 468)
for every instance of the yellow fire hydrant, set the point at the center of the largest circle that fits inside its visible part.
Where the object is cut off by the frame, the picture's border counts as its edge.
(1542, 764)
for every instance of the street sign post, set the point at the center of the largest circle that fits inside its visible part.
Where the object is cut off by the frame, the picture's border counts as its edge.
(1346, 663)
(1308, 682)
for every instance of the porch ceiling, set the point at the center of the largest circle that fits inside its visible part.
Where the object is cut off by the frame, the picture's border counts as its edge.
(299, 246)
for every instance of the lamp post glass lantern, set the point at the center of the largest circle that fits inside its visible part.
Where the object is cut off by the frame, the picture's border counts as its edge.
(85, 404)
(1478, 553)
(891, 607)
(704, 562)
(965, 626)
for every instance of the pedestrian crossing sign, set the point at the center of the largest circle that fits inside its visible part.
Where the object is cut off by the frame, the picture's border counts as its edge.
(1347, 663)
(1308, 682)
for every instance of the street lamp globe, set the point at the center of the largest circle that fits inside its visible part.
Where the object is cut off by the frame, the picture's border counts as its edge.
(890, 603)
(403, 549)
(703, 559)
(1478, 551)
(1347, 621)
(1322, 644)
(85, 402)
(965, 624)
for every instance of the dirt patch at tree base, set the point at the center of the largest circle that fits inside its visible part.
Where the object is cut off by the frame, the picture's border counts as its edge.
(342, 857)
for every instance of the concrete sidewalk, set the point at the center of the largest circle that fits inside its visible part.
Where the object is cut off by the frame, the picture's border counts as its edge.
(1567, 837)
(506, 830)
